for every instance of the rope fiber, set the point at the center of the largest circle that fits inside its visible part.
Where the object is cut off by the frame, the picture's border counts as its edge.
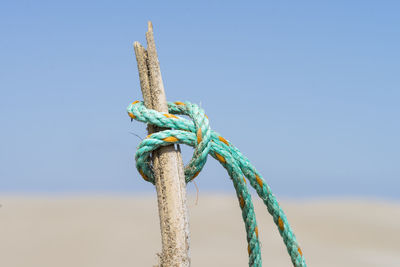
(198, 134)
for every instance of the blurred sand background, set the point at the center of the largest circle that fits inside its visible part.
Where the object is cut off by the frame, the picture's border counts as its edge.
(97, 231)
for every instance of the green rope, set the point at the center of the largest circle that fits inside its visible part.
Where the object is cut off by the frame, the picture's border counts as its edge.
(197, 133)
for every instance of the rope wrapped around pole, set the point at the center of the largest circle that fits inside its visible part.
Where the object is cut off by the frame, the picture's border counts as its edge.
(198, 134)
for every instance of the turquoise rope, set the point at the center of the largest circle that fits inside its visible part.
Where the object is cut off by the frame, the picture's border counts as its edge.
(198, 134)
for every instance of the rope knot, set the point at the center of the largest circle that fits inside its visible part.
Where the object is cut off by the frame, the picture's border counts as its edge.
(196, 132)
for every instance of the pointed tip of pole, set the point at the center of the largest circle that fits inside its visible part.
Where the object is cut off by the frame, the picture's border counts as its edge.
(150, 26)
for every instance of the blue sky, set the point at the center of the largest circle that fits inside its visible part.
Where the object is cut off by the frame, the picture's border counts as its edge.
(308, 90)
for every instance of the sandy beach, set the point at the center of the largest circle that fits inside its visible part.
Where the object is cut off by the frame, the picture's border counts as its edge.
(97, 231)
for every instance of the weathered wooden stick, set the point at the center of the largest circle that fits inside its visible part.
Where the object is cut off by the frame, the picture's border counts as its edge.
(167, 163)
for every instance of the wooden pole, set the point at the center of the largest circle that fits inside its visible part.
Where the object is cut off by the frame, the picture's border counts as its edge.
(167, 163)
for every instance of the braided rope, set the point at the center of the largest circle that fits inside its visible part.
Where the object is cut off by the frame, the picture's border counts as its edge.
(197, 133)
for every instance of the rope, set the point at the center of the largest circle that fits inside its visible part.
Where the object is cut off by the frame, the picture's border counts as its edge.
(197, 133)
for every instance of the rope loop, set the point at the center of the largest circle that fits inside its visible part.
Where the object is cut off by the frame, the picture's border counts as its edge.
(198, 134)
